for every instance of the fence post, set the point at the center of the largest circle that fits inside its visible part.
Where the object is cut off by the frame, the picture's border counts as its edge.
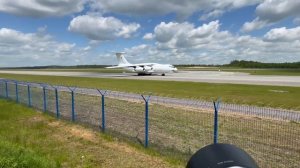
(102, 108)
(73, 106)
(6, 89)
(1, 80)
(17, 92)
(44, 98)
(146, 99)
(56, 103)
(73, 102)
(216, 121)
(29, 95)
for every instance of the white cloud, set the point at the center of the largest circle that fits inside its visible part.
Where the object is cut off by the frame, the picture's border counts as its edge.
(164, 32)
(213, 14)
(87, 48)
(283, 34)
(102, 28)
(275, 10)
(148, 36)
(272, 11)
(41, 8)
(254, 25)
(32, 49)
(183, 9)
(185, 43)
(185, 35)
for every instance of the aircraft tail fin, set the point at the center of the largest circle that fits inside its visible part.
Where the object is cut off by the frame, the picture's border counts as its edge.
(121, 59)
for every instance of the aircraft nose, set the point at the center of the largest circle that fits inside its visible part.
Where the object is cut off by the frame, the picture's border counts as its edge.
(175, 69)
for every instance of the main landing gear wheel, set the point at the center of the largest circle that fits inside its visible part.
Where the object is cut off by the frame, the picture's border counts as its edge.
(163, 74)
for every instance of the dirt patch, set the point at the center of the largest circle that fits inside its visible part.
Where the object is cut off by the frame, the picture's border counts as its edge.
(82, 133)
(154, 161)
(74, 130)
(54, 124)
(37, 118)
(120, 147)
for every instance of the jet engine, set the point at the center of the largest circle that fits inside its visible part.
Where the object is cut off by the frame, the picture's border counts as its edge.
(139, 69)
(147, 68)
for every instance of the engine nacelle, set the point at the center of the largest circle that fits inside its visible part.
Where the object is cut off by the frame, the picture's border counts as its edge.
(143, 69)
(148, 68)
(138, 69)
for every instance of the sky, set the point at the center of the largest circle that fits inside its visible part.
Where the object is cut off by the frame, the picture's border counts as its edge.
(78, 32)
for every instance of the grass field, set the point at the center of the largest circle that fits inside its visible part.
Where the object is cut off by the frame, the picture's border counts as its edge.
(96, 70)
(268, 96)
(177, 132)
(181, 131)
(31, 139)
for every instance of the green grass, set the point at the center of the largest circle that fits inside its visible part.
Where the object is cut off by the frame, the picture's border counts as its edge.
(269, 96)
(175, 132)
(179, 131)
(96, 70)
(12, 155)
(283, 72)
(31, 139)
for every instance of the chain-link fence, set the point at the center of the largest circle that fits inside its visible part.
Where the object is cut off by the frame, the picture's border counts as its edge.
(177, 127)
(271, 136)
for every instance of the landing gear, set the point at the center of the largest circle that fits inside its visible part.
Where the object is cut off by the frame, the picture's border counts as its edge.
(163, 74)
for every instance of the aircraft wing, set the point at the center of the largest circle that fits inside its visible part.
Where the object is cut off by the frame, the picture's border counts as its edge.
(143, 65)
(112, 67)
(131, 65)
(121, 66)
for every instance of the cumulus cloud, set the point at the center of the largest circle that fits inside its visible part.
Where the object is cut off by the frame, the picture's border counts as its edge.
(185, 35)
(185, 43)
(102, 28)
(254, 25)
(213, 14)
(283, 34)
(272, 11)
(41, 8)
(148, 36)
(183, 9)
(32, 49)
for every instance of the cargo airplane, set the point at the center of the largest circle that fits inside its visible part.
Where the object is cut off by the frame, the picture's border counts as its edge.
(143, 68)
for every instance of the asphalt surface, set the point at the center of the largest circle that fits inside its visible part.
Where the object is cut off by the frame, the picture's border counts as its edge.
(192, 76)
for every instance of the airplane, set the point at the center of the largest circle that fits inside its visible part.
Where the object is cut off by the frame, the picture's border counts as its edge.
(143, 68)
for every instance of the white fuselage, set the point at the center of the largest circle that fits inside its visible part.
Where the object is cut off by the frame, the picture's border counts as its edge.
(143, 68)
(153, 69)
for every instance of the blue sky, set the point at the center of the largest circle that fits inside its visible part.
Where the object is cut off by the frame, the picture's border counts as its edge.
(72, 32)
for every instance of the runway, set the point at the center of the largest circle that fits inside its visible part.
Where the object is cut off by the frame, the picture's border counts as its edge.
(192, 76)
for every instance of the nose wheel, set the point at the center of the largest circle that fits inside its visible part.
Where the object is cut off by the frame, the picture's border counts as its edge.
(163, 74)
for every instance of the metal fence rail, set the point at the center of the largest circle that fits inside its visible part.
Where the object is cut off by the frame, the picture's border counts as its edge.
(172, 126)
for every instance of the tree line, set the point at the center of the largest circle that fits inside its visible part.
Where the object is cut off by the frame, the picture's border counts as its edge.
(255, 64)
(248, 64)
